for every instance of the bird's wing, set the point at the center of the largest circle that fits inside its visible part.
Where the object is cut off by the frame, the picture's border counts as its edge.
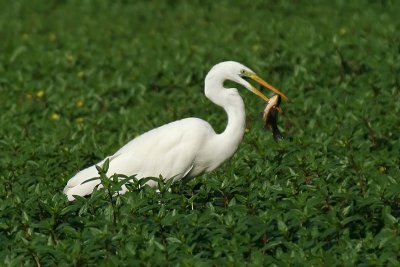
(169, 151)
(170, 157)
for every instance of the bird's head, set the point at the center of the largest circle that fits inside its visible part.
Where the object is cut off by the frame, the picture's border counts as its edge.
(241, 74)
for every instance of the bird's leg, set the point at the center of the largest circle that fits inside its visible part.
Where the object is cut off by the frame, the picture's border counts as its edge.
(225, 200)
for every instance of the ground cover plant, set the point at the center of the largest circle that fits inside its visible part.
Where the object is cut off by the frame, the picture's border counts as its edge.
(78, 79)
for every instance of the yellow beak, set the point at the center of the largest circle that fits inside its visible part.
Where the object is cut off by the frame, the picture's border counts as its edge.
(255, 78)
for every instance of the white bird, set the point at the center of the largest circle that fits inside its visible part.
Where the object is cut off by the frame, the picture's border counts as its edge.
(185, 148)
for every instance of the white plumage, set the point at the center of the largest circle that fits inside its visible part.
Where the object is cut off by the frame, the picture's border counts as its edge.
(185, 148)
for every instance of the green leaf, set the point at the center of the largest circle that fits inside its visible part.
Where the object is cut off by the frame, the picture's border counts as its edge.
(173, 240)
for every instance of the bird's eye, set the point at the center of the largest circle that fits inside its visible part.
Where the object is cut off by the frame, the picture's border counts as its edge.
(242, 71)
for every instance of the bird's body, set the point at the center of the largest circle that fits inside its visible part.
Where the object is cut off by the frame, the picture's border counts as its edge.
(181, 149)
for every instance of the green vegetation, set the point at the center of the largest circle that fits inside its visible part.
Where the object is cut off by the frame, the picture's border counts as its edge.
(78, 79)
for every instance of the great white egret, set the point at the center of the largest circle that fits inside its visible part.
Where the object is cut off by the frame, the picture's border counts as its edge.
(185, 148)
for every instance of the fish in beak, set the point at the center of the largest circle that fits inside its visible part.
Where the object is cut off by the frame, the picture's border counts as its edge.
(270, 116)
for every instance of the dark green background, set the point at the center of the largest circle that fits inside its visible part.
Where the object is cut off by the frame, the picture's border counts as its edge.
(78, 79)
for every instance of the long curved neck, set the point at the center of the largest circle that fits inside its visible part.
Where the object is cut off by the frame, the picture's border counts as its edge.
(235, 128)
(227, 142)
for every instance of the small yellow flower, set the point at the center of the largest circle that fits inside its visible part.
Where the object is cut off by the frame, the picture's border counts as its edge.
(382, 169)
(55, 116)
(256, 48)
(70, 58)
(79, 103)
(40, 93)
(25, 37)
(343, 31)
(52, 37)
(80, 121)
(81, 74)
(246, 130)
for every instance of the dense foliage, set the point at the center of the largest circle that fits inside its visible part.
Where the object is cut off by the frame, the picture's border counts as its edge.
(78, 79)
